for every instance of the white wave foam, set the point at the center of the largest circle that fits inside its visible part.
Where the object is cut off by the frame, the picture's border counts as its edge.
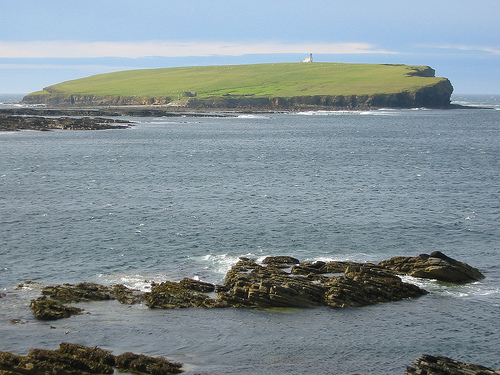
(253, 116)
(325, 113)
(140, 282)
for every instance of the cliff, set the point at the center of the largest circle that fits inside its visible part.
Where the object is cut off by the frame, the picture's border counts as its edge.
(260, 86)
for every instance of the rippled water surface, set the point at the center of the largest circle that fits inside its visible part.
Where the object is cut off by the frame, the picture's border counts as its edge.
(177, 197)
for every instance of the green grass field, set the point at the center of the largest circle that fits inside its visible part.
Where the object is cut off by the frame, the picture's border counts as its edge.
(257, 80)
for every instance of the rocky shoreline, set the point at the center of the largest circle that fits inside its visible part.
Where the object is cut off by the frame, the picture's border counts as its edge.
(97, 117)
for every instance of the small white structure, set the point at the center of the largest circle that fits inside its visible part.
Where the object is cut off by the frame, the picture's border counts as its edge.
(309, 59)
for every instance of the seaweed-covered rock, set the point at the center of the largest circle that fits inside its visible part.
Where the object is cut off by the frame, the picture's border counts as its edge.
(94, 354)
(48, 309)
(75, 359)
(197, 286)
(51, 305)
(434, 266)
(12, 364)
(148, 365)
(82, 292)
(127, 296)
(53, 361)
(171, 295)
(440, 365)
(281, 261)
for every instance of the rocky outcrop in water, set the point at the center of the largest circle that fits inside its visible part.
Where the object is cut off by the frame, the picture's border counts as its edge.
(434, 266)
(280, 281)
(253, 285)
(50, 309)
(439, 365)
(13, 123)
(74, 359)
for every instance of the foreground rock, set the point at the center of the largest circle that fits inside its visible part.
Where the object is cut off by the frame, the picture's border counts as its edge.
(434, 266)
(74, 359)
(439, 365)
(13, 123)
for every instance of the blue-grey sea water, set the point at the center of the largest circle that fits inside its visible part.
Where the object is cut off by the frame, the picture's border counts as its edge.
(186, 197)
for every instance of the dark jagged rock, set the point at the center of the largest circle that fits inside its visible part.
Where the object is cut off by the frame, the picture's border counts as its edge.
(75, 359)
(281, 261)
(148, 365)
(368, 284)
(434, 266)
(254, 285)
(12, 123)
(197, 286)
(439, 365)
(48, 309)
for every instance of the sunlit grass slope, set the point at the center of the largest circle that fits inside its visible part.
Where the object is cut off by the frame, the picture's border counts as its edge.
(257, 80)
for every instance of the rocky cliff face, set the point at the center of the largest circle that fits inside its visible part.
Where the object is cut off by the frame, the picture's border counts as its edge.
(433, 96)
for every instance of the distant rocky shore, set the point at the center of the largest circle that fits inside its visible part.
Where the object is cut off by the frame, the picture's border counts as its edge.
(44, 119)
(97, 117)
(17, 122)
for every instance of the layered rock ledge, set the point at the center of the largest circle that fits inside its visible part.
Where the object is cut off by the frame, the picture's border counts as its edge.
(280, 281)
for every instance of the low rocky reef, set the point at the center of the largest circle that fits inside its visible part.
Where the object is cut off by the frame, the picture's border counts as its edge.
(280, 281)
(14, 123)
(74, 359)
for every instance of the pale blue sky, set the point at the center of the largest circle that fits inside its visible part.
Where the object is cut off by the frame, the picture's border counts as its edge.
(44, 42)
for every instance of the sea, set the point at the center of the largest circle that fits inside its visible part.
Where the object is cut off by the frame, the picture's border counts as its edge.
(175, 197)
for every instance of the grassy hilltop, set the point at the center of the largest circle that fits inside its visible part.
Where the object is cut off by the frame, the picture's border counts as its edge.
(283, 80)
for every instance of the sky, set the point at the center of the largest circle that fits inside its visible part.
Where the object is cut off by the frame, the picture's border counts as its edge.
(44, 42)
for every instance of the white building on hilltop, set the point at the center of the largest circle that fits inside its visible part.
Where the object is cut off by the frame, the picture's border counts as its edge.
(309, 59)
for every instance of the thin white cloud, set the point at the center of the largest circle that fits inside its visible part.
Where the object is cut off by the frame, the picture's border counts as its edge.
(78, 49)
(488, 49)
(97, 68)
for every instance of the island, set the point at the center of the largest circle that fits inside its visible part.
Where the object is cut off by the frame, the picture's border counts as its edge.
(280, 86)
